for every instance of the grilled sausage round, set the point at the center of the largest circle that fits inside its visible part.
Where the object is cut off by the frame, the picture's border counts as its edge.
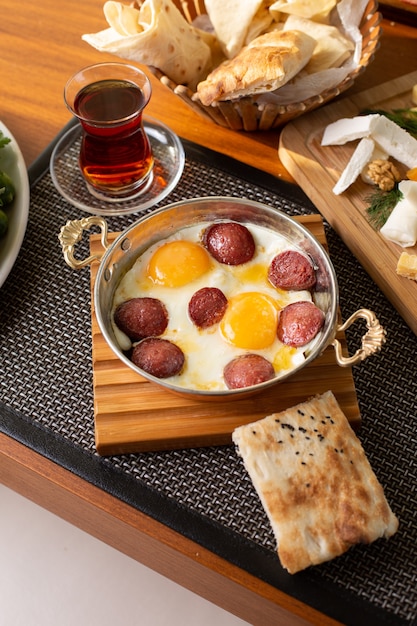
(229, 243)
(158, 357)
(299, 322)
(291, 270)
(141, 317)
(247, 370)
(207, 306)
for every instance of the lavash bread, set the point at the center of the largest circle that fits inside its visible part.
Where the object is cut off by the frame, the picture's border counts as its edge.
(231, 21)
(265, 64)
(157, 34)
(315, 482)
(332, 48)
(319, 10)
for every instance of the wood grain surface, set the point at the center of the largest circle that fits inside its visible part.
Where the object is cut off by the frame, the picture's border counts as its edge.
(132, 414)
(317, 168)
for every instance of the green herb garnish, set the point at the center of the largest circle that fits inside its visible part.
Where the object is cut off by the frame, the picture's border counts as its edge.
(7, 190)
(405, 118)
(381, 204)
(3, 140)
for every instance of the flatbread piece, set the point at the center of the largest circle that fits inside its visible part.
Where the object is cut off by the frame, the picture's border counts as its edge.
(332, 48)
(231, 21)
(265, 64)
(315, 482)
(157, 34)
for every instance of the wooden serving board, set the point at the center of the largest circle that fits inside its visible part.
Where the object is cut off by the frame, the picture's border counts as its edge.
(317, 168)
(133, 415)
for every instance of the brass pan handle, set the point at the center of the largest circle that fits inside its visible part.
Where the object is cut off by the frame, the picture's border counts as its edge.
(372, 341)
(72, 233)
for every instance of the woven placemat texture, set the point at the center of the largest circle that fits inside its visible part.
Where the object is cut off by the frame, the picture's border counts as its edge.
(46, 374)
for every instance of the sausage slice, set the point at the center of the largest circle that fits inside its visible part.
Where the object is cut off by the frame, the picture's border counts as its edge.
(229, 243)
(141, 317)
(299, 322)
(247, 370)
(207, 307)
(158, 357)
(292, 271)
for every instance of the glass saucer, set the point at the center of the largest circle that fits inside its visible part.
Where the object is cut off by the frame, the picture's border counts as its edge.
(169, 160)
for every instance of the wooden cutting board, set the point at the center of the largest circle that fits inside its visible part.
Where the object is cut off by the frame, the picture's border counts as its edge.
(132, 414)
(317, 168)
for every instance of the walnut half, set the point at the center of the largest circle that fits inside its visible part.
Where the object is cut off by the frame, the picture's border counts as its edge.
(384, 174)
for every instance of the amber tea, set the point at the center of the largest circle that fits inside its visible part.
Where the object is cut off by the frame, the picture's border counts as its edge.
(115, 155)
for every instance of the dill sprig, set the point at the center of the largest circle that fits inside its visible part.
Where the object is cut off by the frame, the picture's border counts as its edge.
(405, 118)
(381, 204)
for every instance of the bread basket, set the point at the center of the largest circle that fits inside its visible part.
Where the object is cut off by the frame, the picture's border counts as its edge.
(246, 114)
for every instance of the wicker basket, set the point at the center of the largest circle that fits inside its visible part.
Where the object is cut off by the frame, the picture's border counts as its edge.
(246, 114)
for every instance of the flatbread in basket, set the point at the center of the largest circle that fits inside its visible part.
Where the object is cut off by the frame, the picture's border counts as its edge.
(157, 35)
(189, 45)
(265, 64)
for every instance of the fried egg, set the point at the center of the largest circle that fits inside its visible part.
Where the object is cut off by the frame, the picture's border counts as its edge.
(172, 270)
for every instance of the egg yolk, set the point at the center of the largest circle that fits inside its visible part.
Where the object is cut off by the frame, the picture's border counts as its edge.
(250, 321)
(251, 273)
(178, 263)
(283, 360)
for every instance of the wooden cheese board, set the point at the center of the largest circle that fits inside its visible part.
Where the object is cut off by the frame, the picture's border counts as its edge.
(317, 168)
(132, 414)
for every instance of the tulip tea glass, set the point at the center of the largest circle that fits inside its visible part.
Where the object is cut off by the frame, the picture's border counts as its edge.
(115, 155)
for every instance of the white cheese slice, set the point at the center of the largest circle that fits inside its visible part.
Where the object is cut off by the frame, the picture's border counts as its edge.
(348, 129)
(396, 141)
(359, 159)
(401, 226)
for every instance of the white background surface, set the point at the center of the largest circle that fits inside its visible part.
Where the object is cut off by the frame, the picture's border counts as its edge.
(53, 574)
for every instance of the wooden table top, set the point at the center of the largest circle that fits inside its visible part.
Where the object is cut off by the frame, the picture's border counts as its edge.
(40, 47)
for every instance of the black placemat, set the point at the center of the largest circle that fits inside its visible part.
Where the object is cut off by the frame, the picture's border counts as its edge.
(46, 402)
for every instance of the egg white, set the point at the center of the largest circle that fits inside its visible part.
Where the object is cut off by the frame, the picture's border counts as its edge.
(206, 352)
